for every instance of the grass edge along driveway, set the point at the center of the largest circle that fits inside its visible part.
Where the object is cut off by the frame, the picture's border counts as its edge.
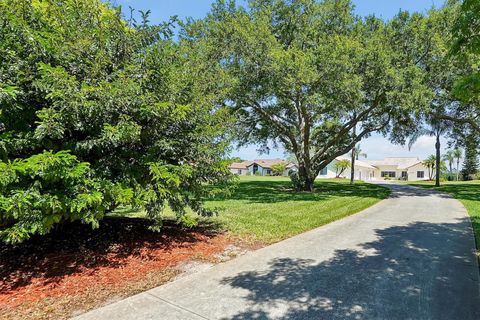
(468, 193)
(267, 210)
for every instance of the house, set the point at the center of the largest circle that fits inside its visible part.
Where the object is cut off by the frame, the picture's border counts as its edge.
(262, 167)
(399, 168)
(363, 170)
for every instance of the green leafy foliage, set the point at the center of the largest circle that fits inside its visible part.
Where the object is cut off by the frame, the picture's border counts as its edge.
(303, 80)
(341, 166)
(135, 110)
(470, 163)
(278, 169)
(48, 188)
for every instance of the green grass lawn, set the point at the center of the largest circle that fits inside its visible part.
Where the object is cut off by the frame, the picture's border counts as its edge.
(267, 210)
(468, 193)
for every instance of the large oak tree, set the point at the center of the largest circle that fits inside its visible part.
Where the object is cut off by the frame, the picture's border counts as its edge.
(305, 74)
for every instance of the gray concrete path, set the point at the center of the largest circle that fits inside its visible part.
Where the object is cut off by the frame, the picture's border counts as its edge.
(408, 257)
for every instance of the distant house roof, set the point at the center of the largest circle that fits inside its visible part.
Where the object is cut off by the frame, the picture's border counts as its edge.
(399, 162)
(239, 165)
(358, 163)
(264, 163)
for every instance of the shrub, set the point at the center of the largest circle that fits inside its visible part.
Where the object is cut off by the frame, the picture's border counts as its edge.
(296, 180)
(48, 188)
(278, 169)
(121, 98)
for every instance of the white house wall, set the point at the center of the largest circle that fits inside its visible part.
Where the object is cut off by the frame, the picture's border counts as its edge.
(379, 168)
(361, 173)
(240, 172)
(330, 172)
(412, 172)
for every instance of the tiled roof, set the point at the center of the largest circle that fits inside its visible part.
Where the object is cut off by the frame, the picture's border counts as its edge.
(400, 162)
(358, 163)
(265, 163)
(240, 165)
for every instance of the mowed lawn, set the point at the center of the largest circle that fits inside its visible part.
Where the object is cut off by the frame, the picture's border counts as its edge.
(468, 193)
(267, 210)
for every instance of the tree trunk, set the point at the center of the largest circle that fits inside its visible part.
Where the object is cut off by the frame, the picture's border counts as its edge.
(458, 167)
(309, 185)
(308, 178)
(352, 163)
(437, 162)
(352, 169)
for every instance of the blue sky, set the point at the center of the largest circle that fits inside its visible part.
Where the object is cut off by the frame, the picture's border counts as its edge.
(376, 146)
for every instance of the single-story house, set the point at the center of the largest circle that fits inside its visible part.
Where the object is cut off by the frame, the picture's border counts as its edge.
(399, 168)
(262, 167)
(363, 170)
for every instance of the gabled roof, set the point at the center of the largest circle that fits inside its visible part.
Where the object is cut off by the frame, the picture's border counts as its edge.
(264, 163)
(358, 163)
(399, 162)
(240, 165)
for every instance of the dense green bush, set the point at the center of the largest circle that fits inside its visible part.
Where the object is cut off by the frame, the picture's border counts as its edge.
(97, 112)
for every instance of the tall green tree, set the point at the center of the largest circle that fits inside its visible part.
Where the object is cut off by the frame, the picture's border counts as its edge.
(470, 163)
(449, 157)
(341, 166)
(97, 112)
(435, 127)
(458, 154)
(305, 73)
(465, 51)
(440, 71)
(430, 163)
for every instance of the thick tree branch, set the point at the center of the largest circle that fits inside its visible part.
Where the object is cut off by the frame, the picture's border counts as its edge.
(279, 125)
(352, 144)
(470, 121)
(346, 128)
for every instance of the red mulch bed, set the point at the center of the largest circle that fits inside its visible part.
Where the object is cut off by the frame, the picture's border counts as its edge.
(76, 258)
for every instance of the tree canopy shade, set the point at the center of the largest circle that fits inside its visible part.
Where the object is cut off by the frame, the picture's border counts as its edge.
(304, 73)
(96, 112)
(466, 51)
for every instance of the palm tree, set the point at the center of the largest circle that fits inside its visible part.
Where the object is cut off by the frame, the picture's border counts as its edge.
(341, 166)
(436, 128)
(356, 153)
(449, 157)
(430, 163)
(457, 153)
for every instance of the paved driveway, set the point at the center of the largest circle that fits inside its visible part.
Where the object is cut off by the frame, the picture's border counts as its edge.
(408, 257)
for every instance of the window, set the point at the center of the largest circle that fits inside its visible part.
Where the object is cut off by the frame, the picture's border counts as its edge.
(404, 174)
(388, 174)
(420, 174)
(239, 171)
(269, 171)
(323, 172)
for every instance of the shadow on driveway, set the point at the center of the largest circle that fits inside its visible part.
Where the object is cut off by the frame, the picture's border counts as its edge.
(409, 272)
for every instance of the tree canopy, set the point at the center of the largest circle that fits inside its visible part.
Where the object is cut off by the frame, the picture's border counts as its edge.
(98, 112)
(304, 73)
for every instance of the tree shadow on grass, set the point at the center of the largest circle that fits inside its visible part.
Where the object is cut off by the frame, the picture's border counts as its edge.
(269, 191)
(418, 271)
(76, 248)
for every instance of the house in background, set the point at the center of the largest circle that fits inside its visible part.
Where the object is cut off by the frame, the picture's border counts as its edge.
(363, 170)
(262, 167)
(397, 168)
(400, 168)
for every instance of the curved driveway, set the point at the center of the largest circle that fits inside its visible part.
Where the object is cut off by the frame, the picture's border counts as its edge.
(411, 256)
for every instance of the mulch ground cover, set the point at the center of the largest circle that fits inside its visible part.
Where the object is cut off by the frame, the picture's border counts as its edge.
(76, 268)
